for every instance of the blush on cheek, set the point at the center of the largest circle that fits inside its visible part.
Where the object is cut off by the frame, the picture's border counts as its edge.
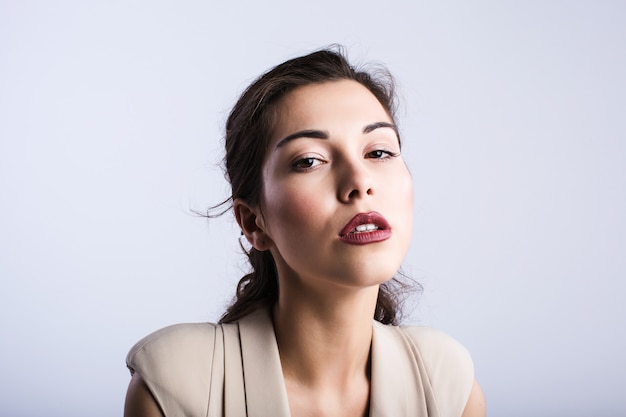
(291, 204)
(302, 207)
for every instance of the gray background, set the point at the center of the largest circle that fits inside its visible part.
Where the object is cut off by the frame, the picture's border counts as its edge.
(513, 118)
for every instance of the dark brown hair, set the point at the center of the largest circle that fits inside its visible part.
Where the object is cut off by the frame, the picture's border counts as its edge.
(248, 130)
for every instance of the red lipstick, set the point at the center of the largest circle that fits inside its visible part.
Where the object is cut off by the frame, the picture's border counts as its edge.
(365, 228)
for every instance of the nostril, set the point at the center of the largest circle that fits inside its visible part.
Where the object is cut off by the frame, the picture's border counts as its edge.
(356, 193)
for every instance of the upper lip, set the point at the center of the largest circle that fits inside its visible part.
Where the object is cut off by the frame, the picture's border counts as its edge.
(372, 217)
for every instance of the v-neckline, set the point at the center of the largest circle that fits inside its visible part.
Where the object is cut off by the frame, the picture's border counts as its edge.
(395, 379)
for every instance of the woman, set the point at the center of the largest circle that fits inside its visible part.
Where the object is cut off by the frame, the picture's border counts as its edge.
(324, 198)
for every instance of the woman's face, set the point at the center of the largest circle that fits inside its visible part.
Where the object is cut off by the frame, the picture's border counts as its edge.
(337, 196)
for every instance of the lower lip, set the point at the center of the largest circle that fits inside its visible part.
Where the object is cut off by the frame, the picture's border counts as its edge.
(365, 238)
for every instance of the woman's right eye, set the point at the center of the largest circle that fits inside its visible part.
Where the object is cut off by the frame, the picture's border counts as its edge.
(306, 164)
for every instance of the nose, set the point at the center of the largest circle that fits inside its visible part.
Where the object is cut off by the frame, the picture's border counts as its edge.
(355, 181)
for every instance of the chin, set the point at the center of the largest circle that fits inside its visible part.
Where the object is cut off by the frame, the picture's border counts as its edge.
(368, 276)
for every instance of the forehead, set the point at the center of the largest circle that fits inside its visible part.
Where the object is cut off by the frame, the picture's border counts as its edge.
(330, 105)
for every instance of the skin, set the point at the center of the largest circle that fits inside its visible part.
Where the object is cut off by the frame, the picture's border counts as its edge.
(346, 162)
(139, 400)
(313, 185)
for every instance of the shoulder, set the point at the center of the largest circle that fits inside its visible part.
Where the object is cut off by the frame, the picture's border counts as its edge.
(172, 348)
(178, 339)
(439, 349)
(448, 364)
(175, 363)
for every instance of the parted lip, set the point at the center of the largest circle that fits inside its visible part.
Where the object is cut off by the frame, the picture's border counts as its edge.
(372, 217)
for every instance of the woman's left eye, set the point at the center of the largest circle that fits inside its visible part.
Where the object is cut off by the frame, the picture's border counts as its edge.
(381, 154)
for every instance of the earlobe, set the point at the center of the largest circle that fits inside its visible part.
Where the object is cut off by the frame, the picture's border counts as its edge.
(252, 225)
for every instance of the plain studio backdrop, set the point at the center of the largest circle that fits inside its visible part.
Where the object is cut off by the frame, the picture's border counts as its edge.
(513, 116)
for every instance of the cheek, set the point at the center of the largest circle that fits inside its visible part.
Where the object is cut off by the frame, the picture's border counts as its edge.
(287, 205)
(403, 200)
(403, 187)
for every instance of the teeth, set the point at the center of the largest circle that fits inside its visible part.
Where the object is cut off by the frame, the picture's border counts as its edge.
(365, 228)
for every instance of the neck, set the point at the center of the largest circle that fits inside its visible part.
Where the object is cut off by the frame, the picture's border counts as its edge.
(325, 341)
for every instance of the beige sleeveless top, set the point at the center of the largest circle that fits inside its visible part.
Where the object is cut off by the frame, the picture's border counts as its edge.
(233, 370)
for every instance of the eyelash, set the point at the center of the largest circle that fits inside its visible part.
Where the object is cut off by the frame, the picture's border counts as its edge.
(381, 152)
(310, 163)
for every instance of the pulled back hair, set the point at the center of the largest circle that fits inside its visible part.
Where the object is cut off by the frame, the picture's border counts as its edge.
(248, 131)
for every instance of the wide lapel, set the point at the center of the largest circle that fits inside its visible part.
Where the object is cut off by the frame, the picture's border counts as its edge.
(397, 386)
(266, 395)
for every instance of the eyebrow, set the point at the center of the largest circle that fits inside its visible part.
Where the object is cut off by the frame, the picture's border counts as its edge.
(378, 125)
(309, 133)
(319, 134)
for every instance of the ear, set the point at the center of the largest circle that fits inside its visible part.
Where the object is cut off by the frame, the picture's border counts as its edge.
(252, 224)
